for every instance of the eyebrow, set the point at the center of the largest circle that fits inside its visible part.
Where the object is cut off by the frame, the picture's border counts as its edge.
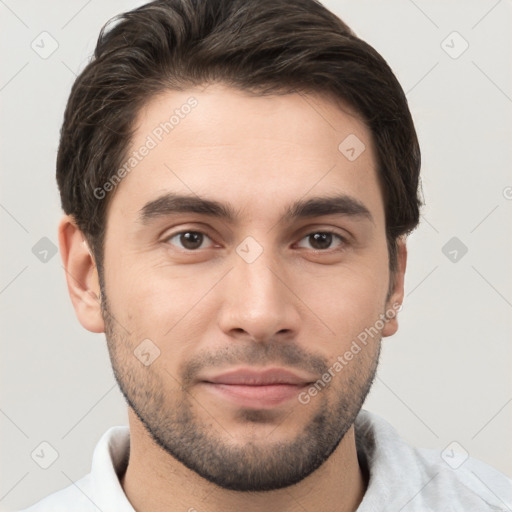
(171, 203)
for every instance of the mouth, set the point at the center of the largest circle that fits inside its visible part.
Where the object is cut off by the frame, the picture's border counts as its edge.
(257, 389)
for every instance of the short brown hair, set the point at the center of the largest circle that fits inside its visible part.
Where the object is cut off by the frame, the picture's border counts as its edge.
(259, 46)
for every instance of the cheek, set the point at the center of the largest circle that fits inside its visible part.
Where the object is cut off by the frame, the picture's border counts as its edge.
(349, 302)
(164, 302)
(159, 303)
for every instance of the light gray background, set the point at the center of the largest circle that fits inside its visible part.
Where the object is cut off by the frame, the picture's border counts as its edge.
(444, 377)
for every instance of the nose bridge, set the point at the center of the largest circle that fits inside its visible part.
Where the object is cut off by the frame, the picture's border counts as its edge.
(262, 285)
(257, 301)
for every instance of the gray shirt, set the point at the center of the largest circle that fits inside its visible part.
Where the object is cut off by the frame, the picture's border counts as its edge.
(401, 478)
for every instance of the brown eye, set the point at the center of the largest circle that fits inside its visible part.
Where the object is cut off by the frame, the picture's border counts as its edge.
(189, 240)
(322, 240)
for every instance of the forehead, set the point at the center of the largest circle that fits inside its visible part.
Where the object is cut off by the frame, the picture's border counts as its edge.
(260, 151)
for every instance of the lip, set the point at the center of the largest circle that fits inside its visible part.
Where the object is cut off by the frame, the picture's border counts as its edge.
(266, 377)
(262, 389)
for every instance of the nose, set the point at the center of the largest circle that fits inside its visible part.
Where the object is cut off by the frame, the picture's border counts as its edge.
(259, 302)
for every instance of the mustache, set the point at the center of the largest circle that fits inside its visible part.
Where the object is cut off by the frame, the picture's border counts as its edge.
(273, 353)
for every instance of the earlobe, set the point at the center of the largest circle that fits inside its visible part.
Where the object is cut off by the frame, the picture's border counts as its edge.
(396, 296)
(81, 275)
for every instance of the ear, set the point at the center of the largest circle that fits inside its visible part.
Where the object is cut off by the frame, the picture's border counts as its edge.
(81, 275)
(396, 295)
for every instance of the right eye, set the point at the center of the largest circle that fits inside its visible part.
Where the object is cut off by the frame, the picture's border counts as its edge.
(188, 240)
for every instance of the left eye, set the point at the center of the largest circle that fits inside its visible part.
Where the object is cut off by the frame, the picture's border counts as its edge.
(322, 240)
(193, 240)
(190, 240)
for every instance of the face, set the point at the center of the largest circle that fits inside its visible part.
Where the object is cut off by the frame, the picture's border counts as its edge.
(245, 254)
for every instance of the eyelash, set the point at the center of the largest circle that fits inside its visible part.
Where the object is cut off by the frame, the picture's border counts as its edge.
(342, 239)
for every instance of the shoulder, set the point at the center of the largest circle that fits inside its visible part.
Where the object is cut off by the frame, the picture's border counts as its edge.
(465, 480)
(413, 478)
(100, 489)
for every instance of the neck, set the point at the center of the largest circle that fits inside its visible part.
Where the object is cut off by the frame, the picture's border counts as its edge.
(154, 481)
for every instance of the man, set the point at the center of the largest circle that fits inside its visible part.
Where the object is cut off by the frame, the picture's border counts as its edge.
(238, 178)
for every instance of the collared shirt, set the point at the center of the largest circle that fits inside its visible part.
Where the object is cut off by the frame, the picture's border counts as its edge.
(401, 477)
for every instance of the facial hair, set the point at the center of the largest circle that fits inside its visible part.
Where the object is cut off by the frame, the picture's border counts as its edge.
(170, 418)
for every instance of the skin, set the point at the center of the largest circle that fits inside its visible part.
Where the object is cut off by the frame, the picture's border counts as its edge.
(298, 305)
